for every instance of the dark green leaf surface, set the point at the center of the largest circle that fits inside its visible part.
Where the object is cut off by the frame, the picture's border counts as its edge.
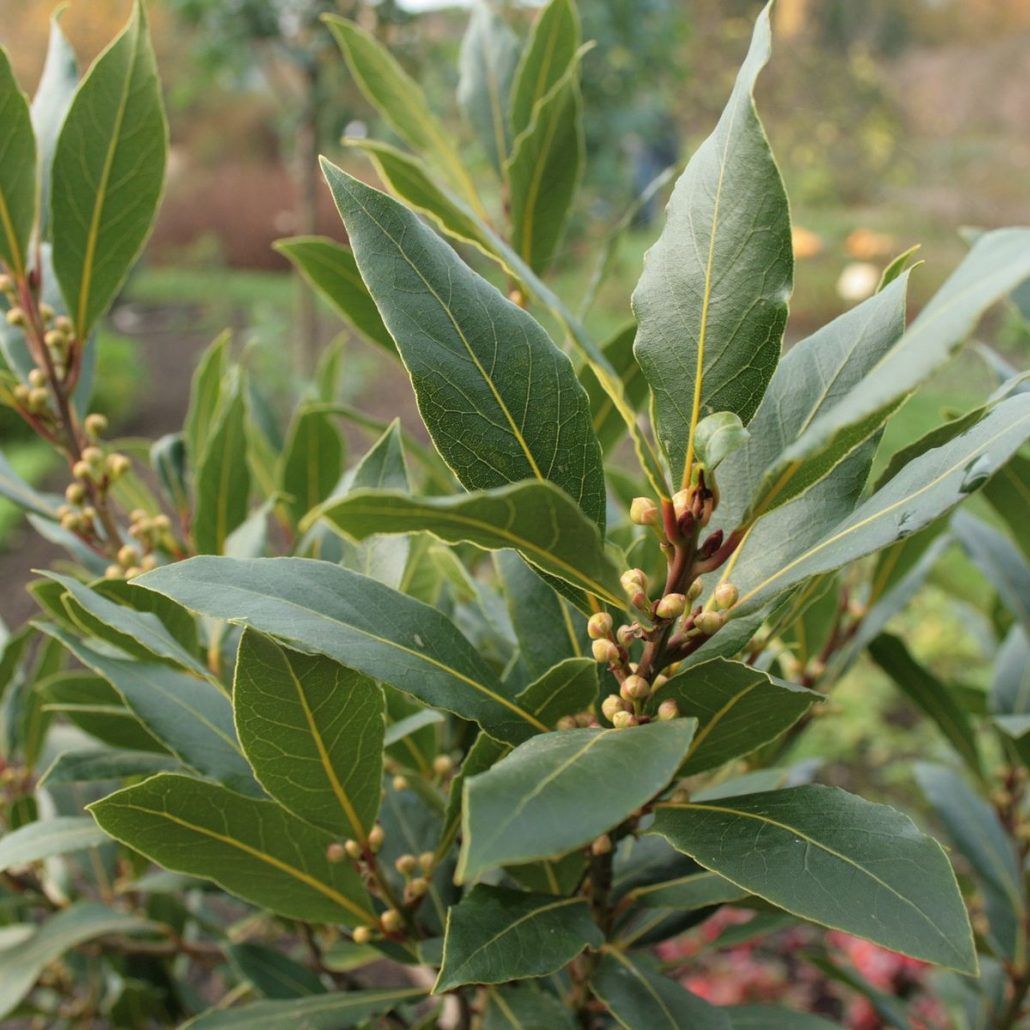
(254, 849)
(356, 621)
(46, 838)
(712, 302)
(207, 396)
(772, 1017)
(608, 423)
(738, 708)
(1001, 562)
(311, 462)
(313, 733)
(568, 688)
(1009, 495)
(500, 400)
(524, 1006)
(543, 800)
(330, 267)
(93, 765)
(691, 891)
(550, 50)
(1010, 687)
(835, 859)
(496, 934)
(17, 171)
(108, 172)
(535, 518)
(273, 974)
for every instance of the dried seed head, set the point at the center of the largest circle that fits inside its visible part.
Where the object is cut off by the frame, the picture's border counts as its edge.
(671, 606)
(599, 625)
(643, 511)
(725, 595)
(604, 651)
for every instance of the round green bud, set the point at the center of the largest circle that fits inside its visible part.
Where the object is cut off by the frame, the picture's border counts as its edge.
(604, 651)
(82, 470)
(668, 709)
(335, 852)
(601, 845)
(694, 590)
(21, 394)
(599, 625)
(37, 377)
(55, 339)
(63, 324)
(671, 606)
(70, 522)
(94, 455)
(375, 838)
(15, 316)
(39, 398)
(643, 511)
(95, 424)
(622, 720)
(46, 312)
(362, 935)
(709, 622)
(391, 920)
(406, 864)
(611, 705)
(725, 595)
(633, 581)
(635, 688)
(75, 493)
(418, 887)
(117, 465)
(128, 555)
(89, 514)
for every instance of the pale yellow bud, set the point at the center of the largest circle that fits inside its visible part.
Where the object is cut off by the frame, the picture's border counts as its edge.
(681, 502)
(671, 606)
(95, 424)
(604, 651)
(405, 864)
(39, 399)
(37, 377)
(668, 709)
(362, 935)
(443, 764)
(391, 920)
(418, 887)
(128, 555)
(117, 465)
(82, 470)
(94, 455)
(15, 316)
(611, 705)
(599, 625)
(75, 493)
(725, 595)
(622, 720)
(602, 845)
(427, 860)
(400, 783)
(375, 838)
(635, 688)
(633, 581)
(353, 849)
(46, 312)
(113, 572)
(335, 852)
(694, 590)
(709, 622)
(643, 511)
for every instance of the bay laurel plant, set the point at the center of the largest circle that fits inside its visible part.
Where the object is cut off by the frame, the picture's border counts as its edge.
(508, 709)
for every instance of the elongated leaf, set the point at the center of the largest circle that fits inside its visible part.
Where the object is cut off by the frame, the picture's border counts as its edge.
(1009, 495)
(523, 1005)
(53, 97)
(712, 302)
(273, 974)
(93, 765)
(494, 419)
(1010, 687)
(398, 98)
(693, 890)
(836, 859)
(569, 687)
(637, 995)
(46, 838)
(550, 50)
(535, 518)
(496, 934)
(930, 695)
(542, 800)
(1000, 561)
(976, 832)
(222, 479)
(254, 849)
(331, 269)
(925, 489)
(325, 1012)
(997, 262)
(544, 171)
(738, 708)
(368, 627)
(312, 461)
(17, 171)
(608, 423)
(14, 488)
(108, 173)
(489, 53)
(313, 732)
(813, 376)
(22, 962)
(191, 717)
(207, 397)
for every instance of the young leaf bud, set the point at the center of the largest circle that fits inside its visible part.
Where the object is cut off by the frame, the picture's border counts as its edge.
(604, 651)
(599, 626)
(635, 688)
(443, 764)
(375, 838)
(15, 316)
(406, 864)
(602, 845)
(725, 595)
(668, 709)
(611, 705)
(694, 590)
(391, 920)
(353, 849)
(335, 852)
(671, 606)
(95, 424)
(622, 720)
(643, 511)
(709, 622)
(681, 501)
(362, 934)
(418, 887)
(634, 581)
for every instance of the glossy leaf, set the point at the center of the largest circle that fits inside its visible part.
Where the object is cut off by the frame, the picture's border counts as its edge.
(608, 423)
(108, 173)
(46, 838)
(566, 689)
(357, 621)
(550, 50)
(835, 859)
(712, 302)
(254, 849)
(94, 765)
(331, 269)
(313, 733)
(207, 396)
(693, 890)
(496, 934)
(523, 1005)
(535, 518)
(17, 171)
(542, 799)
(311, 462)
(494, 420)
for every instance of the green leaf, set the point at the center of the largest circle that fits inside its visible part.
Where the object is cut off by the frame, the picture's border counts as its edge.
(357, 621)
(489, 54)
(835, 859)
(93, 765)
(738, 708)
(398, 98)
(889, 1008)
(54, 94)
(1009, 495)
(313, 733)
(494, 422)
(108, 173)
(331, 269)
(637, 995)
(22, 963)
(191, 717)
(1010, 687)
(717, 436)
(542, 800)
(222, 479)
(496, 934)
(535, 518)
(712, 302)
(253, 849)
(550, 50)
(998, 261)
(924, 490)
(772, 1017)
(524, 1006)
(46, 838)
(976, 832)
(207, 396)
(312, 461)
(813, 376)
(999, 560)
(17, 171)
(325, 1012)
(567, 688)
(544, 171)
(273, 974)
(693, 890)
(930, 695)
(14, 488)
(618, 350)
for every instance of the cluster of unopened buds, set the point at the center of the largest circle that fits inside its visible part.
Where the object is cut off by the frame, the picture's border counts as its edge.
(57, 330)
